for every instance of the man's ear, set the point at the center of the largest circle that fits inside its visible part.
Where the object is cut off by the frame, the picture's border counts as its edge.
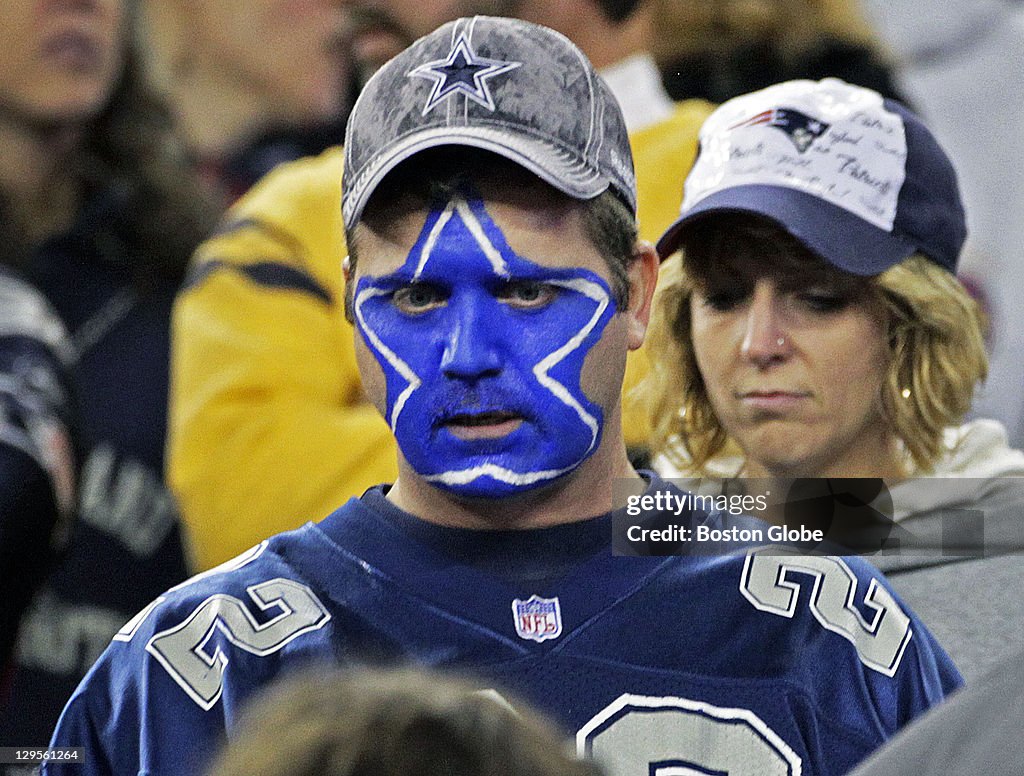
(643, 276)
(346, 272)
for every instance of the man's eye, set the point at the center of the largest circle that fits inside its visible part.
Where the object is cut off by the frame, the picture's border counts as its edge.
(417, 298)
(527, 294)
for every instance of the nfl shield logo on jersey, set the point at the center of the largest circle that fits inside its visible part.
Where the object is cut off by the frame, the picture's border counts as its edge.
(537, 619)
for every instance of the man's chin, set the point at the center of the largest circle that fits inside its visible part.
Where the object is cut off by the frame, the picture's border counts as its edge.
(494, 477)
(486, 488)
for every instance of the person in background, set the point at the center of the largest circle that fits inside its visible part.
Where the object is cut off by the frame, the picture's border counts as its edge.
(269, 423)
(720, 50)
(102, 213)
(251, 83)
(958, 68)
(381, 29)
(812, 327)
(37, 460)
(393, 723)
(496, 284)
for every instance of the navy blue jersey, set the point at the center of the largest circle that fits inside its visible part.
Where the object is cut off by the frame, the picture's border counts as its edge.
(762, 663)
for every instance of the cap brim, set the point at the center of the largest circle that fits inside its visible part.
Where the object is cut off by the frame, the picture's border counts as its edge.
(541, 157)
(838, 236)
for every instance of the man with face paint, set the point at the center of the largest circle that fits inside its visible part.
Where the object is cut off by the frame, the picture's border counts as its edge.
(496, 286)
(483, 351)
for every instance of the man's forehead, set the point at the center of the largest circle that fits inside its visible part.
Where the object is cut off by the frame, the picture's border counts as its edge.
(431, 177)
(547, 231)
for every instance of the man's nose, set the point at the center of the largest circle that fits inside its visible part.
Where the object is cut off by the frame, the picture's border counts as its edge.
(471, 347)
(766, 339)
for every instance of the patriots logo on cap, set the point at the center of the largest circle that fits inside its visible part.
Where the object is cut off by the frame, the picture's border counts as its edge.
(799, 127)
(463, 72)
(537, 619)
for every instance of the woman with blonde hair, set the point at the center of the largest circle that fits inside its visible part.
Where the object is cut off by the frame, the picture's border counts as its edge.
(813, 327)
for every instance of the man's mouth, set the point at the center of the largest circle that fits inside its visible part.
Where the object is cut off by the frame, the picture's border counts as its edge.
(492, 424)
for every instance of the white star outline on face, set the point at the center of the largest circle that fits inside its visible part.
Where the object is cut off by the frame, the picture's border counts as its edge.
(588, 288)
(453, 75)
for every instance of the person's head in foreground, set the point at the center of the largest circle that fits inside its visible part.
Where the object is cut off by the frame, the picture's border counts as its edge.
(377, 723)
(494, 276)
(813, 318)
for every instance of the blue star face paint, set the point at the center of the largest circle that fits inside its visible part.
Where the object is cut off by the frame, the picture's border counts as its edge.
(482, 351)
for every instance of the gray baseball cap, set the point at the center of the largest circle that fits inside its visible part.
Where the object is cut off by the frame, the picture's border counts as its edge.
(516, 89)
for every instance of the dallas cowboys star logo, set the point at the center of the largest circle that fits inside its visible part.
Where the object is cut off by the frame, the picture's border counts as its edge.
(464, 72)
(458, 210)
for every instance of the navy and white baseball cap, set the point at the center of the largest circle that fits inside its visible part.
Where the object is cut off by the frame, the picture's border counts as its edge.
(503, 85)
(855, 177)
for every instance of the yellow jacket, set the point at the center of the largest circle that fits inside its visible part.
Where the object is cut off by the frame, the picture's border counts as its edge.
(268, 424)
